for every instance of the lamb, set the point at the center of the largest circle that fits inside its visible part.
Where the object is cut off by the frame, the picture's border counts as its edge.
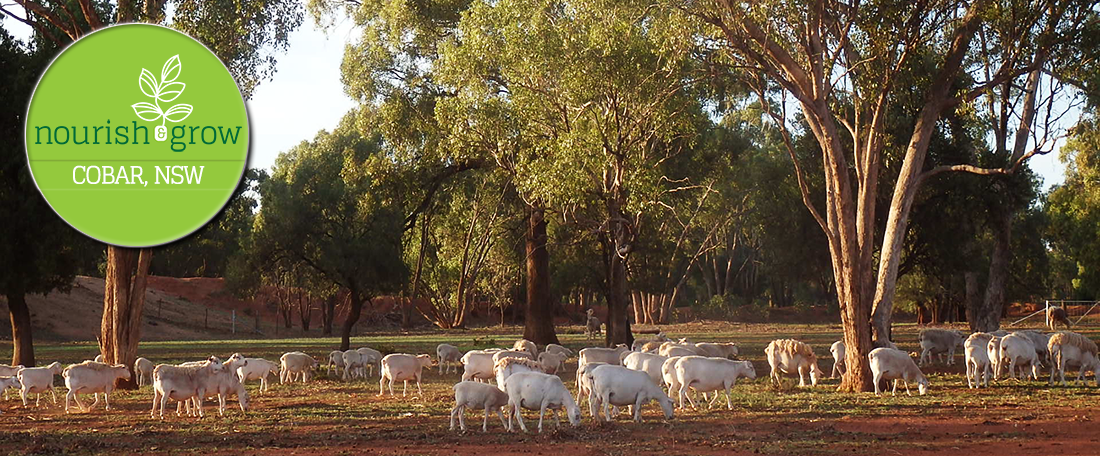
(592, 325)
(619, 386)
(477, 365)
(1017, 350)
(371, 358)
(978, 368)
(727, 350)
(791, 356)
(939, 341)
(555, 348)
(552, 362)
(538, 391)
(36, 380)
(403, 367)
(294, 363)
(837, 349)
(639, 343)
(353, 365)
(335, 362)
(508, 366)
(710, 374)
(602, 355)
(92, 377)
(449, 356)
(893, 364)
(143, 368)
(527, 346)
(258, 369)
(648, 363)
(1055, 315)
(1068, 347)
(181, 383)
(476, 395)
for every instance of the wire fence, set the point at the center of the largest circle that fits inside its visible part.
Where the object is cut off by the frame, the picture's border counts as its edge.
(1080, 313)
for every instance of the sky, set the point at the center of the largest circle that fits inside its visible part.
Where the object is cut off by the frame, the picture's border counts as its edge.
(306, 96)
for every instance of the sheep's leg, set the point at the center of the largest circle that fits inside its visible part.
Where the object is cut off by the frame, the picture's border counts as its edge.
(591, 405)
(638, 408)
(67, 397)
(802, 371)
(405, 388)
(519, 418)
(542, 412)
(106, 399)
(419, 391)
(455, 412)
(906, 382)
(969, 375)
(152, 412)
(683, 392)
(501, 415)
(877, 378)
(221, 404)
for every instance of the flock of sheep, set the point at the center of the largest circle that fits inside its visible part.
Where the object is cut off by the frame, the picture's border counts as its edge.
(507, 381)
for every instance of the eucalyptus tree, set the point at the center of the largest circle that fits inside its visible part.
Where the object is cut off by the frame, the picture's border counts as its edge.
(1073, 209)
(842, 65)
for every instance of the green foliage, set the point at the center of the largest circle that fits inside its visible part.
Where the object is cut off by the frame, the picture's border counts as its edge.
(1073, 210)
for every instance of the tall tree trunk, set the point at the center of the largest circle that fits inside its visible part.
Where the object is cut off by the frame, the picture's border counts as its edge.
(987, 317)
(618, 325)
(538, 324)
(354, 311)
(636, 300)
(22, 340)
(123, 301)
(708, 279)
(328, 314)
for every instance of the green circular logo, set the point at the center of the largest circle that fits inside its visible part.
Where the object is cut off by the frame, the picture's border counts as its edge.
(137, 135)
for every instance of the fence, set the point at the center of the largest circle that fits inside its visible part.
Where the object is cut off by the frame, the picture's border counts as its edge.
(1080, 313)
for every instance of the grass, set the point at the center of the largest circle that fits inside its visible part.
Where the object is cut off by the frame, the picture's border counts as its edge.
(329, 416)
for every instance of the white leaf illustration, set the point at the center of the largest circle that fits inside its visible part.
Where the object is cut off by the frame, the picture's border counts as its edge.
(178, 112)
(171, 91)
(148, 84)
(171, 69)
(147, 111)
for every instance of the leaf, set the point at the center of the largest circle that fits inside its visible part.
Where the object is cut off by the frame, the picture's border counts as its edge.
(171, 69)
(178, 112)
(147, 111)
(148, 84)
(171, 91)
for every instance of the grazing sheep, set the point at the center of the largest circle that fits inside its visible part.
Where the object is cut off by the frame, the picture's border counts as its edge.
(648, 363)
(651, 347)
(527, 346)
(542, 392)
(939, 341)
(225, 383)
(353, 365)
(727, 350)
(257, 369)
(476, 395)
(36, 380)
(181, 383)
(790, 356)
(552, 362)
(592, 325)
(8, 382)
(403, 367)
(1039, 340)
(1056, 315)
(602, 355)
(641, 342)
(893, 364)
(449, 357)
(978, 367)
(92, 377)
(619, 386)
(1017, 350)
(477, 365)
(294, 363)
(837, 349)
(555, 348)
(681, 348)
(499, 355)
(143, 368)
(668, 375)
(370, 358)
(335, 362)
(710, 374)
(1067, 348)
(583, 387)
(507, 366)
(993, 351)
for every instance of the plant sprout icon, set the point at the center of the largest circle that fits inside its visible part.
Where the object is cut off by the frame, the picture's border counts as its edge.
(165, 91)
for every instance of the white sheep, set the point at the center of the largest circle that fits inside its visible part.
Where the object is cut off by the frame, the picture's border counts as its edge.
(837, 349)
(672, 349)
(477, 365)
(640, 342)
(8, 382)
(602, 355)
(552, 362)
(294, 363)
(542, 392)
(1039, 340)
(370, 358)
(668, 375)
(501, 354)
(449, 357)
(92, 377)
(403, 367)
(978, 368)
(335, 362)
(648, 363)
(791, 356)
(619, 386)
(257, 369)
(181, 383)
(353, 365)
(224, 383)
(555, 348)
(35, 380)
(937, 341)
(893, 364)
(1017, 350)
(507, 366)
(527, 346)
(993, 351)
(726, 350)
(1069, 348)
(583, 387)
(710, 374)
(10, 371)
(144, 369)
(474, 395)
